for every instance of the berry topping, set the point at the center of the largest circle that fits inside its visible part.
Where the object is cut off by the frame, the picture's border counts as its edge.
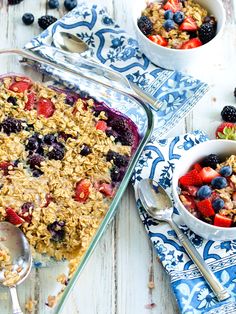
(14, 1)
(208, 174)
(204, 192)
(205, 208)
(70, 4)
(30, 102)
(198, 167)
(85, 150)
(110, 132)
(5, 166)
(82, 190)
(37, 173)
(226, 130)
(13, 217)
(226, 171)
(11, 125)
(173, 5)
(228, 114)
(191, 43)
(218, 204)
(222, 221)
(57, 152)
(158, 39)
(206, 32)
(106, 189)
(70, 100)
(145, 25)
(191, 178)
(210, 19)
(33, 143)
(178, 17)
(46, 20)
(19, 87)
(53, 4)
(45, 107)
(28, 18)
(219, 183)
(188, 24)
(49, 139)
(168, 15)
(118, 159)
(35, 161)
(26, 211)
(101, 125)
(211, 160)
(169, 25)
(57, 230)
(116, 174)
(12, 100)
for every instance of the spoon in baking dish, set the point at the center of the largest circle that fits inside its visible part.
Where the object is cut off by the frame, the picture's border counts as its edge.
(159, 206)
(18, 261)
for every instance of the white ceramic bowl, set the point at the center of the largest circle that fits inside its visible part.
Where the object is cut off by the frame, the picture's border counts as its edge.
(223, 148)
(181, 59)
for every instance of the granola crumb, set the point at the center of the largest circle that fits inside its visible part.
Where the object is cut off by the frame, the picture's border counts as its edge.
(30, 305)
(52, 299)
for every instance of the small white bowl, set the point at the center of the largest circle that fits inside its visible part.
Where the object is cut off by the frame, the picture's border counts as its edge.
(223, 148)
(181, 59)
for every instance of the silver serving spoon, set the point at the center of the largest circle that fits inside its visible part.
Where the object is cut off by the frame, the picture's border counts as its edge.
(159, 206)
(69, 42)
(13, 239)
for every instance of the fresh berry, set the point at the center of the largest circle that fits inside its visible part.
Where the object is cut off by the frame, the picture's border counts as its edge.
(208, 174)
(85, 150)
(45, 107)
(226, 130)
(49, 139)
(113, 133)
(14, 1)
(206, 32)
(218, 204)
(226, 171)
(173, 5)
(35, 161)
(191, 178)
(4, 166)
(188, 24)
(169, 25)
(33, 143)
(20, 86)
(30, 101)
(101, 125)
(46, 20)
(11, 125)
(219, 183)
(12, 217)
(188, 202)
(26, 211)
(178, 17)
(12, 100)
(158, 39)
(204, 192)
(198, 167)
(57, 152)
(191, 43)
(28, 18)
(82, 190)
(127, 138)
(228, 114)
(222, 221)
(210, 19)
(70, 4)
(37, 173)
(57, 231)
(168, 15)
(118, 159)
(145, 25)
(106, 189)
(70, 100)
(211, 160)
(205, 208)
(191, 189)
(53, 4)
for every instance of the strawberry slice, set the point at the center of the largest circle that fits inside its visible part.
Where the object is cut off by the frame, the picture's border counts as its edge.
(227, 131)
(207, 174)
(20, 87)
(206, 208)
(158, 39)
(198, 167)
(106, 189)
(30, 102)
(173, 5)
(191, 43)
(222, 221)
(82, 190)
(188, 24)
(188, 201)
(13, 218)
(45, 107)
(192, 190)
(101, 125)
(4, 165)
(191, 178)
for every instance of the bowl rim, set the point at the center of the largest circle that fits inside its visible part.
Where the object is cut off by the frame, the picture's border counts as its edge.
(180, 204)
(184, 51)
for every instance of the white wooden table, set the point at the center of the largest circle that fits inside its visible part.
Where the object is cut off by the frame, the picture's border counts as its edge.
(115, 280)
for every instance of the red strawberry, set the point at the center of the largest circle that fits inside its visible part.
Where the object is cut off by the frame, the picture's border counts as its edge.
(13, 218)
(198, 167)
(30, 102)
(188, 201)
(226, 130)
(191, 43)
(191, 178)
(101, 125)
(206, 208)
(192, 190)
(158, 39)
(4, 166)
(173, 5)
(82, 190)
(45, 107)
(188, 24)
(222, 221)
(20, 87)
(207, 174)
(106, 189)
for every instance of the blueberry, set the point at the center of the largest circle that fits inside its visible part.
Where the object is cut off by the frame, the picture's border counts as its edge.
(32, 143)
(204, 192)
(178, 17)
(57, 152)
(226, 171)
(118, 159)
(53, 4)
(168, 15)
(218, 203)
(57, 230)
(28, 18)
(70, 4)
(115, 174)
(169, 25)
(37, 173)
(86, 150)
(12, 100)
(49, 139)
(219, 183)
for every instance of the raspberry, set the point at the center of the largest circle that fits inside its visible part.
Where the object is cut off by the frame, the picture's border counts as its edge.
(228, 114)
(206, 32)
(11, 125)
(46, 20)
(211, 161)
(145, 25)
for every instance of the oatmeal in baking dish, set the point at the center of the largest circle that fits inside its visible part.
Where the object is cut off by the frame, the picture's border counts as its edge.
(62, 158)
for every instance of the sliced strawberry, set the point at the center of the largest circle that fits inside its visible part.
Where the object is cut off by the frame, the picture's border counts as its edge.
(191, 43)
(192, 190)
(30, 102)
(188, 201)
(101, 125)
(207, 174)
(226, 130)
(45, 107)
(191, 178)
(82, 190)
(206, 208)
(4, 165)
(188, 24)
(158, 39)
(13, 218)
(173, 5)
(106, 189)
(20, 87)
(222, 221)
(198, 167)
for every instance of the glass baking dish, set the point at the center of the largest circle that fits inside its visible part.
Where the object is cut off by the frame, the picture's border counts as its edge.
(132, 107)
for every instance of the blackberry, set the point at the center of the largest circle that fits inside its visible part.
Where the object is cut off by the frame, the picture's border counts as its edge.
(57, 230)
(119, 125)
(12, 100)
(228, 114)
(11, 125)
(206, 32)
(53, 4)
(46, 20)
(49, 139)
(145, 25)
(35, 161)
(28, 18)
(211, 161)
(86, 150)
(14, 1)
(110, 132)
(210, 19)
(127, 138)
(70, 4)
(118, 159)
(58, 152)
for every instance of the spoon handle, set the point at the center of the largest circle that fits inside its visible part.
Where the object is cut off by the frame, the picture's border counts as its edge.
(15, 303)
(219, 291)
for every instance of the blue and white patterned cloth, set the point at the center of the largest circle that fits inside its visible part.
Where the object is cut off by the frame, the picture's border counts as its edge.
(192, 292)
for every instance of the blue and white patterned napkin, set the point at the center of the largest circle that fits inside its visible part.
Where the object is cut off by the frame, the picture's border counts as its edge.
(191, 290)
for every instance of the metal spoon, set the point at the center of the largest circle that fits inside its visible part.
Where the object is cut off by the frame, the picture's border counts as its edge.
(159, 206)
(69, 42)
(13, 239)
